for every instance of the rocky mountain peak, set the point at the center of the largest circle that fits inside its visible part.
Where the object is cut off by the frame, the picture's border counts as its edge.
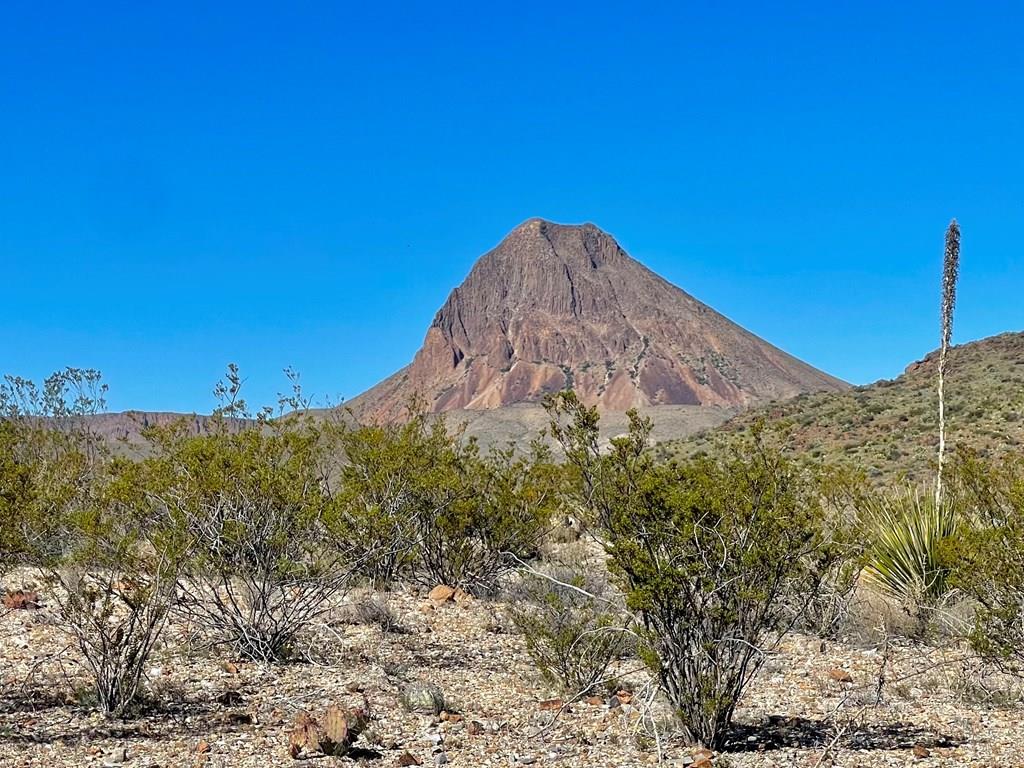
(554, 306)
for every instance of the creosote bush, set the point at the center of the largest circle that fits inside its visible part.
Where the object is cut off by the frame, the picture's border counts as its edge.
(250, 505)
(416, 502)
(986, 561)
(573, 628)
(712, 555)
(393, 476)
(75, 514)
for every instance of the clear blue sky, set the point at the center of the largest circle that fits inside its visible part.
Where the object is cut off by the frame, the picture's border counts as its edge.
(187, 184)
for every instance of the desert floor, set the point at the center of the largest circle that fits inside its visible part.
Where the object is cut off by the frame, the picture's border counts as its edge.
(812, 704)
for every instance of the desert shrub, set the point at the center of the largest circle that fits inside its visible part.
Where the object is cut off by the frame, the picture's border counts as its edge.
(394, 475)
(712, 555)
(827, 611)
(503, 506)
(114, 586)
(15, 495)
(986, 560)
(905, 529)
(824, 607)
(414, 501)
(373, 612)
(573, 629)
(250, 504)
(77, 517)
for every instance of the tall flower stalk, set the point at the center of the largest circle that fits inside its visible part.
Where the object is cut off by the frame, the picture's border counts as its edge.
(950, 272)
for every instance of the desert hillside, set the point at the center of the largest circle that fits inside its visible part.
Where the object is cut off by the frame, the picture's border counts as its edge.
(888, 428)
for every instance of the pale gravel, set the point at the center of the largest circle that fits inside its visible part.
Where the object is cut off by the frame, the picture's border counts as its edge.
(487, 677)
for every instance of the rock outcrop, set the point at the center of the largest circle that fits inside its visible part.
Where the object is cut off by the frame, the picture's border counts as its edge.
(556, 306)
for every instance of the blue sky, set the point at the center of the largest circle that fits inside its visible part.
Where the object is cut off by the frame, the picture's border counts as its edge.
(183, 185)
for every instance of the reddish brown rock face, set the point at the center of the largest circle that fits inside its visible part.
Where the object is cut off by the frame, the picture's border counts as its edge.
(557, 306)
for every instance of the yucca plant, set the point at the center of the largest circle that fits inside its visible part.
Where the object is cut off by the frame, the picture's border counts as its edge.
(905, 530)
(950, 273)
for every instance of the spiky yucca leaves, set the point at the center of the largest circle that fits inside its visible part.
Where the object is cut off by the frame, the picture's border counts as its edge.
(950, 272)
(906, 530)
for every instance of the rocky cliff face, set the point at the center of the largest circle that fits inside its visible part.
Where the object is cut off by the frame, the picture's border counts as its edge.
(556, 306)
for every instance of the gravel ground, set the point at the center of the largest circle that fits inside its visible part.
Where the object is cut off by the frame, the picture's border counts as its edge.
(811, 705)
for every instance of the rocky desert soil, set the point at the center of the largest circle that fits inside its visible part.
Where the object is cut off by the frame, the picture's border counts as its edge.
(812, 704)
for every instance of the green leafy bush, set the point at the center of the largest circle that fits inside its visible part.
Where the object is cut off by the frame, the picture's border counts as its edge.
(416, 502)
(75, 514)
(249, 504)
(501, 512)
(573, 631)
(712, 555)
(394, 477)
(986, 561)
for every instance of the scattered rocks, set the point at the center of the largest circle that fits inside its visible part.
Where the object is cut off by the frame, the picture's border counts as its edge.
(789, 712)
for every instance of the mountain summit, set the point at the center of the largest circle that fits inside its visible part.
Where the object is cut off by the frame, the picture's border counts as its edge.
(556, 306)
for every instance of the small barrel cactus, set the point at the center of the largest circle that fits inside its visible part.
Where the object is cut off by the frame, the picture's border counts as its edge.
(423, 697)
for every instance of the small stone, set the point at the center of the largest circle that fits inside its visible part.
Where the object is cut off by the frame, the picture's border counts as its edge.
(408, 759)
(203, 747)
(551, 704)
(441, 594)
(440, 758)
(475, 728)
(21, 600)
(595, 701)
(840, 675)
(118, 757)
(921, 751)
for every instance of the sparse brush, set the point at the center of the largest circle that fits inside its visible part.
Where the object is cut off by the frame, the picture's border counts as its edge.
(571, 634)
(372, 612)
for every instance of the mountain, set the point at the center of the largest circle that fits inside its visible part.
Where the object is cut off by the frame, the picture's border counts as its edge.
(889, 428)
(557, 306)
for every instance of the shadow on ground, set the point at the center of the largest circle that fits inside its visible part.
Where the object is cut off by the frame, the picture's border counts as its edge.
(23, 719)
(802, 733)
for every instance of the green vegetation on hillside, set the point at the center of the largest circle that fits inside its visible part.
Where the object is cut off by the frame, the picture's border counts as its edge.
(888, 429)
